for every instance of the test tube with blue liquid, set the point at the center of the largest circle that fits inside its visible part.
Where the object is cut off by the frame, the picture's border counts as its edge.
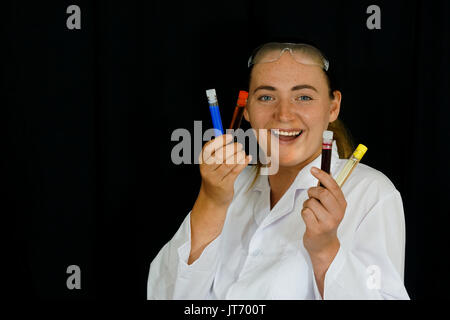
(215, 113)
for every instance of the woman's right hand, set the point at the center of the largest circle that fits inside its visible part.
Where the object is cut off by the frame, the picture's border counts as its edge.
(220, 164)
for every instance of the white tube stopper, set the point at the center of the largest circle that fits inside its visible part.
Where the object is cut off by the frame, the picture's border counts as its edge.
(327, 135)
(212, 97)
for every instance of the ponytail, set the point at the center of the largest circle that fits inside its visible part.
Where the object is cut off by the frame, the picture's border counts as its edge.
(343, 138)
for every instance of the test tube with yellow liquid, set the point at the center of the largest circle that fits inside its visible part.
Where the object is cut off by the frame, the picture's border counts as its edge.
(351, 164)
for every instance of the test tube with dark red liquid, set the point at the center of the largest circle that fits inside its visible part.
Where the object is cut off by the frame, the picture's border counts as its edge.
(326, 151)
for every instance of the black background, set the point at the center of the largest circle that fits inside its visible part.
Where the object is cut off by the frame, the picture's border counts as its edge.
(88, 116)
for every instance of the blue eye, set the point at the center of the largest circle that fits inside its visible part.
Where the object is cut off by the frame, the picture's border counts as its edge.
(305, 98)
(264, 98)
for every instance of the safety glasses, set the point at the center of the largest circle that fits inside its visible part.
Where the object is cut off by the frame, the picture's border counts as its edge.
(302, 53)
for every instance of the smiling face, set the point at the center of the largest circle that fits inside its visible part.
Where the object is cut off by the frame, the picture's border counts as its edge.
(292, 100)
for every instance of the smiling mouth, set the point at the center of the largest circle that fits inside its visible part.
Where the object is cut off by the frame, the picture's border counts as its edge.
(287, 135)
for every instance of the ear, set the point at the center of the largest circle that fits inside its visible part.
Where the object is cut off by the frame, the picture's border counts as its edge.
(335, 106)
(246, 116)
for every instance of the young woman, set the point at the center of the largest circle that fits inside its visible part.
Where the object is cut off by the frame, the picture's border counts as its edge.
(253, 236)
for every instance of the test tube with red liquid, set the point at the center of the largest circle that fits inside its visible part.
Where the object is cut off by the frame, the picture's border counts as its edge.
(327, 144)
(239, 110)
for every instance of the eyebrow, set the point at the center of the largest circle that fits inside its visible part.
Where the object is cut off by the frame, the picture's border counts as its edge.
(297, 87)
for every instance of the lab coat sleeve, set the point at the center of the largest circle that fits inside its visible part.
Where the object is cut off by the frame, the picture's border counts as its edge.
(170, 276)
(372, 267)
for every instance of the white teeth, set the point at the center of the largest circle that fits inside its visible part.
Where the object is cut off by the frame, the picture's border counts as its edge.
(286, 133)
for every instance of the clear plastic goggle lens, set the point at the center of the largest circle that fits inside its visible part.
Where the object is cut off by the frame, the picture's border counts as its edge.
(302, 53)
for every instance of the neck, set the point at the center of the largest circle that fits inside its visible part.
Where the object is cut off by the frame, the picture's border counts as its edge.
(282, 180)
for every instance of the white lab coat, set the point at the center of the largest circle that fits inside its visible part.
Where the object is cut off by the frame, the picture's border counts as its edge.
(260, 252)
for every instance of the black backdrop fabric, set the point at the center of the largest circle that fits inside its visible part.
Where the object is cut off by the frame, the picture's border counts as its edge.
(88, 116)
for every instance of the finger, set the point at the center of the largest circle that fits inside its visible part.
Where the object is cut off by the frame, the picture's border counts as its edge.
(209, 149)
(215, 144)
(310, 218)
(212, 163)
(237, 169)
(325, 197)
(319, 211)
(227, 168)
(227, 151)
(229, 163)
(238, 155)
(329, 183)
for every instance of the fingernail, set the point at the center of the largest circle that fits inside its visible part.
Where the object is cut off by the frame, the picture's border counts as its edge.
(314, 170)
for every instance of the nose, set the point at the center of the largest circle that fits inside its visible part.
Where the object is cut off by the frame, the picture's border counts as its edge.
(284, 111)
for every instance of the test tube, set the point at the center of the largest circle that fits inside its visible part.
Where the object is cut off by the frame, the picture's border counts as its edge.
(327, 143)
(239, 110)
(215, 112)
(351, 164)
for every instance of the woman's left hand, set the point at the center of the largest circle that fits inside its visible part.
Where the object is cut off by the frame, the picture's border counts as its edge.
(322, 213)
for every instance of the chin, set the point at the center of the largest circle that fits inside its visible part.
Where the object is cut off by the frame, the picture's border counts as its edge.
(290, 161)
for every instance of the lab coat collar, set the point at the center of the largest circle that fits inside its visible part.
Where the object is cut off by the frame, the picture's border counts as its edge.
(304, 180)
